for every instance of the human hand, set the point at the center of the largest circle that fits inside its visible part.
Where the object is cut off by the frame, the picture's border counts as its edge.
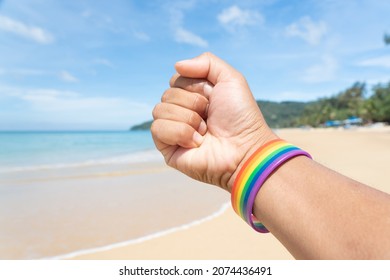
(208, 122)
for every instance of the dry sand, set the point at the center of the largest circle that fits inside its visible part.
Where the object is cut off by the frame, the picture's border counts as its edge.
(363, 154)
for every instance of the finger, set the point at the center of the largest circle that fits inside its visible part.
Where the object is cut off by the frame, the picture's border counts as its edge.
(177, 113)
(190, 100)
(171, 133)
(200, 86)
(207, 66)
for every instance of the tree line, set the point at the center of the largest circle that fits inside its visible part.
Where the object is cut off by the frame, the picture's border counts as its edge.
(352, 102)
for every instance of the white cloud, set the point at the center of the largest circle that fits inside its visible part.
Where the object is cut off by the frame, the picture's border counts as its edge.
(177, 9)
(142, 36)
(382, 61)
(310, 31)
(184, 36)
(234, 17)
(103, 61)
(322, 72)
(34, 33)
(67, 77)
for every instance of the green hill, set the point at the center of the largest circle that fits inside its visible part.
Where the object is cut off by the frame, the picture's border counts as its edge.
(142, 126)
(281, 114)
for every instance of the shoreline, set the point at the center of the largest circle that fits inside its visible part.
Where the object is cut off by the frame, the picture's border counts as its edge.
(142, 239)
(210, 240)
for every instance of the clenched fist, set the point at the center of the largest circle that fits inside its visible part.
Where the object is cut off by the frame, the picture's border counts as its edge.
(208, 122)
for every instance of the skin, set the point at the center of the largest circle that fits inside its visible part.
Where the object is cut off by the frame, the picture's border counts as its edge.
(208, 124)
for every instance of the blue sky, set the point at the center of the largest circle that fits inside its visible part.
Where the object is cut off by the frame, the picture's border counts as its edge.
(93, 64)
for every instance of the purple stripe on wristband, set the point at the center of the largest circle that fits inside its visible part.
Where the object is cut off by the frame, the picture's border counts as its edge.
(260, 181)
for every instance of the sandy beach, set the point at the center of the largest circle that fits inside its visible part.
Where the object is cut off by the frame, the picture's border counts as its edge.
(49, 213)
(150, 211)
(363, 154)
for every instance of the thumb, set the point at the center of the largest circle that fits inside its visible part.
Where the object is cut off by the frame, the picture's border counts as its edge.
(207, 66)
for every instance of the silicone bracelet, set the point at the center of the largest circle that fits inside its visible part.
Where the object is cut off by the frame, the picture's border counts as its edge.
(255, 171)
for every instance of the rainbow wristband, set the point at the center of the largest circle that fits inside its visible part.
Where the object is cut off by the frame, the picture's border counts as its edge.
(255, 172)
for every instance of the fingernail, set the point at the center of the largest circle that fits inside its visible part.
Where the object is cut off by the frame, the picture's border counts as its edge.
(198, 139)
(202, 128)
(207, 89)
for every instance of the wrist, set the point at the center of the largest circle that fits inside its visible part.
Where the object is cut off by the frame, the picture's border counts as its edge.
(257, 142)
(253, 175)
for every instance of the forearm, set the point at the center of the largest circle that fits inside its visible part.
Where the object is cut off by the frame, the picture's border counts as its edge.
(318, 213)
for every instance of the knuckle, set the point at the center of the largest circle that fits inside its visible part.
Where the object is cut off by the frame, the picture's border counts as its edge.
(207, 54)
(154, 128)
(164, 96)
(241, 79)
(172, 81)
(156, 111)
(170, 96)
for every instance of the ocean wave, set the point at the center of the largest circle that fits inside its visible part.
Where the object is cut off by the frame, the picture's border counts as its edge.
(136, 157)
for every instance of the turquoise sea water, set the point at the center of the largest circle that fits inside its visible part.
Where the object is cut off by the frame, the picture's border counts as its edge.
(38, 150)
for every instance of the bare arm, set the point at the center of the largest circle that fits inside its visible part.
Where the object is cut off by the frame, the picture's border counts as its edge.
(317, 213)
(208, 124)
